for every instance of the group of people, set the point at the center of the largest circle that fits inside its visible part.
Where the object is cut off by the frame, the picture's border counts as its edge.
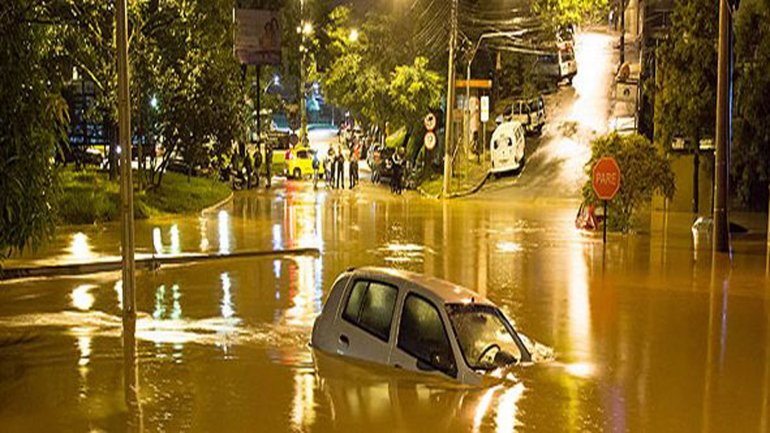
(244, 171)
(334, 166)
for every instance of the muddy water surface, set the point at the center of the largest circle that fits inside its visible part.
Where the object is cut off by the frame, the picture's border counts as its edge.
(649, 335)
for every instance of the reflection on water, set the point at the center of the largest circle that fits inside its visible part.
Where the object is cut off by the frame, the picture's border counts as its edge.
(303, 405)
(82, 299)
(79, 248)
(641, 344)
(223, 224)
(227, 299)
(174, 245)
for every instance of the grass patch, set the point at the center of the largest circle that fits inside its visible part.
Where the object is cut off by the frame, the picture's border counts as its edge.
(465, 177)
(177, 195)
(90, 197)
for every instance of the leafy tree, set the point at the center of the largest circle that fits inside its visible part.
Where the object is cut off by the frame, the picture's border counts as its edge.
(414, 89)
(751, 144)
(33, 119)
(644, 171)
(686, 93)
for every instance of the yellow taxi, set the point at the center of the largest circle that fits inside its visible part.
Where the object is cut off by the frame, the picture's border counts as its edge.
(299, 162)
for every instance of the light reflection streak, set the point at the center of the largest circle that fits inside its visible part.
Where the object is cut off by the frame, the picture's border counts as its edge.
(81, 296)
(204, 245)
(227, 301)
(174, 246)
(306, 300)
(303, 405)
(119, 291)
(277, 238)
(157, 241)
(483, 407)
(507, 409)
(160, 308)
(223, 221)
(80, 248)
(176, 308)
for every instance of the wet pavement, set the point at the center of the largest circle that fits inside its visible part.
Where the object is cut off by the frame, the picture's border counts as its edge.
(650, 333)
(575, 115)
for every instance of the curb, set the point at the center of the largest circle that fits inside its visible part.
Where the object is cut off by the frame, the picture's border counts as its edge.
(218, 205)
(458, 194)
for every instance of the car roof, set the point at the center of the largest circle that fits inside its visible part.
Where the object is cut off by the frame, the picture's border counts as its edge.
(440, 289)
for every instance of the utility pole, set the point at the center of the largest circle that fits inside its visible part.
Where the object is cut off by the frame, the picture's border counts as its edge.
(622, 32)
(126, 181)
(450, 99)
(723, 115)
(302, 96)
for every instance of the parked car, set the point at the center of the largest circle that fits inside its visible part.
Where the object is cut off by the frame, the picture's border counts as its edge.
(382, 160)
(589, 217)
(559, 64)
(416, 323)
(507, 146)
(299, 162)
(529, 112)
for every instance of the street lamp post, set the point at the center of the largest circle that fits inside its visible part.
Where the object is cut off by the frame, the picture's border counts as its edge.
(723, 121)
(126, 182)
(450, 101)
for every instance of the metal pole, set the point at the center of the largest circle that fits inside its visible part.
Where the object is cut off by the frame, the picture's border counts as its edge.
(721, 224)
(302, 96)
(622, 32)
(126, 182)
(606, 219)
(259, 106)
(450, 99)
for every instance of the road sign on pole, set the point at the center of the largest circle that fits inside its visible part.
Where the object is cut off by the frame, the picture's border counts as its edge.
(430, 140)
(485, 108)
(605, 179)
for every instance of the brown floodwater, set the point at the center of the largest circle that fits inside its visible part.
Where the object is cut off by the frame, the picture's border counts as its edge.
(649, 334)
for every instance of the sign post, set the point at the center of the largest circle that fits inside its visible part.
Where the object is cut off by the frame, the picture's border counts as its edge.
(484, 120)
(605, 179)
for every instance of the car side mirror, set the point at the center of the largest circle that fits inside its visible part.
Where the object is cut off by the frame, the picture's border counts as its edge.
(424, 366)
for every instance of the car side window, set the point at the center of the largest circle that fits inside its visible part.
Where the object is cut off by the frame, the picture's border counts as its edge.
(370, 306)
(421, 334)
(302, 154)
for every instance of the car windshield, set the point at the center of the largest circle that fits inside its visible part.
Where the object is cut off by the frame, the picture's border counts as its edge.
(483, 336)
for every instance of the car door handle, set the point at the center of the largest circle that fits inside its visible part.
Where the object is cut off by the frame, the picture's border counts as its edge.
(344, 340)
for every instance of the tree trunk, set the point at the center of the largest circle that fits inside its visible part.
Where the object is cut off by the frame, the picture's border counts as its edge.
(113, 154)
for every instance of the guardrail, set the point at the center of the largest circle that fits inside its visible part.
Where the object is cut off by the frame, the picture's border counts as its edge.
(149, 263)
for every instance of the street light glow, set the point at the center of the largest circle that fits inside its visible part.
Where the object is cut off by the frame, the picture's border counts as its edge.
(353, 37)
(307, 28)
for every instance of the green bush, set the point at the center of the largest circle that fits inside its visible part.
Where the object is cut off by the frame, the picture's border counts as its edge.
(644, 171)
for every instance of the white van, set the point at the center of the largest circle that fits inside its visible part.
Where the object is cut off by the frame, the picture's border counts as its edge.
(507, 147)
(560, 64)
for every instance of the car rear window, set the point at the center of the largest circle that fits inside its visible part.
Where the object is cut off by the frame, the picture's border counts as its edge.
(421, 334)
(370, 307)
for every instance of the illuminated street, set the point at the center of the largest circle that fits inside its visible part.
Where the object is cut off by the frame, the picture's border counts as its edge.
(648, 337)
(312, 216)
(576, 115)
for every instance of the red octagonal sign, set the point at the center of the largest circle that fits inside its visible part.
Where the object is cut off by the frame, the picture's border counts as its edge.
(606, 178)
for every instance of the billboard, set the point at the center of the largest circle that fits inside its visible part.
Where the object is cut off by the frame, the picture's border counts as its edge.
(257, 37)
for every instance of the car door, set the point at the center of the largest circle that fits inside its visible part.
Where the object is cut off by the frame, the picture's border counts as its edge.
(365, 321)
(422, 340)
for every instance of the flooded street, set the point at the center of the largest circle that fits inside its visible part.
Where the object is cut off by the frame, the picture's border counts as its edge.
(648, 335)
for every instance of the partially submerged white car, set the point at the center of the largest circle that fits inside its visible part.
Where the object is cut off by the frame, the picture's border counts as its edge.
(418, 323)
